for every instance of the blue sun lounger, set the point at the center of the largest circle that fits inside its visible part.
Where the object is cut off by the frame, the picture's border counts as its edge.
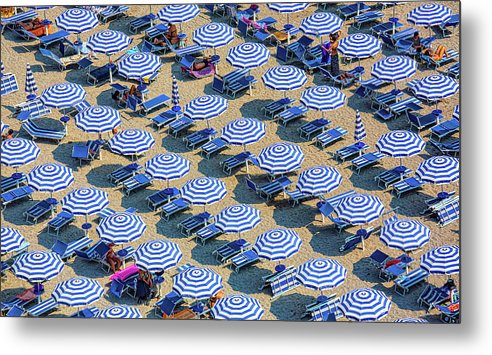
(214, 146)
(348, 11)
(111, 12)
(179, 53)
(43, 309)
(123, 173)
(53, 38)
(174, 207)
(326, 209)
(385, 27)
(277, 106)
(62, 62)
(235, 161)
(152, 48)
(366, 17)
(16, 194)
(154, 103)
(88, 151)
(106, 212)
(313, 127)
(395, 109)
(168, 304)
(454, 70)
(366, 160)
(207, 233)
(197, 138)
(239, 85)
(331, 136)
(407, 185)
(137, 182)
(67, 251)
(433, 296)
(356, 72)
(386, 99)
(101, 74)
(85, 313)
(344, 153)
(445, 128)
(421, 122)
(452, 147)
(20, 17)
(165, 118)
(180, 125)
(8, 84)
(61, 220)
(452, 55)
(139, 23)
(445, 26)
(162, 197)
(14, 181)
(283, 282)
(156, 31)
(291, 114)
(405, 282)
(448, 212)
(37, 132)
(187, 226)
(297, 196)
(225, 252)
(128, 285)
(389, 177)
(271, 189)
(39, 210)
(95, 252)
(247, 258)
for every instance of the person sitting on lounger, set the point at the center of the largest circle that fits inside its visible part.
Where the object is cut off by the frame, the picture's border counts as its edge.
(201, 64)
(438, 54)
(215, 298)
(133, 92)
(9, 135)
(159, 41)
(31, 25)
(113, 259)
(172, 34)
(416, 42)
(144, 286)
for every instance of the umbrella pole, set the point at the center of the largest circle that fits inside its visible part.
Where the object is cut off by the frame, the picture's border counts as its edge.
(362, 239)
(110, 71)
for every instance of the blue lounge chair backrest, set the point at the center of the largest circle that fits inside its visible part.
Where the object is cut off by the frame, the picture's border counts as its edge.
(281, 53)
(132, 103)
(15, 311)
(101, 250)
(59, 247)
(218, 84)
(242, 27)
(305, 41)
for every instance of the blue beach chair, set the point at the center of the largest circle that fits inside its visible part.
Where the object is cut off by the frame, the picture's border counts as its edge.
(61, 220)
(14, 181)
(331, 136)
(244, 259)
(197, 138)
(314, 127)
(207, 233)
(125, 172)
(174, 207)
(39, 210)
(187, 226)
(137, 182)
(214, 146)
(407, 185)
(67, 250)
(162, 197)
(236, 161)
(405, 282)
(16, 194)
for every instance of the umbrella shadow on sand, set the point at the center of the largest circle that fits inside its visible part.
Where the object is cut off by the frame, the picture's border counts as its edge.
(407, 302)
(283, 216)
(174, 145)
(210, 167)
(410, 204)
(248, 280)
(168, 228)
(203, 253)
(365, 180)
(325, 240)
(254, 106)
(63, 154)
(291, 307)
(97, 177)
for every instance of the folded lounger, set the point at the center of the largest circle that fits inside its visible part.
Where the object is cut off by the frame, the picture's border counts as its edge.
(137, 182)
(405, 282)
(366, 160)
(125, 172)
(16, 194)
(162, 197)
(61, 220)
(8, 84)
(313, 127)
(207, 233)
(67, 251)
(39, 210)
(407, 185)
(174, 207)
(331, 136)
(37, 132)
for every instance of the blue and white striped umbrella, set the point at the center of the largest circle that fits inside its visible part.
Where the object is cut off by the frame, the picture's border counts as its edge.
(277, 244)
(197, 283)
(439, 170)
(175, 92)
(77, 20)
(243, 131)
(121, 228)
(444, 260)
(77, 291)
(31, 86)
(364, 305)
(63, 95)
(18, 151)
(321, 274)
(108, 42)
(359, 45)
(237, 218)
(178, 13)
(284, 77)
(11, 240)
(360, 209)
(319, 180)
(85, 201)
(205, 107)
(321, 23)
(400, 143)
(237, 307)
(157, 255)
(248, 55)
(213, 35)
(131, 142)
(203, 191)
(429, 15)
(3, 127)
(435, 87)
(360, 131)
(37, 266)
(50, 177)
(286, 7)
(3, 68)
(119, 312)
(323, 98)
(167, 166)
(405, 234)
(394, 68)
(139, 65)
(410, 320)
(456, 112)
(98, 119)
(280, 158)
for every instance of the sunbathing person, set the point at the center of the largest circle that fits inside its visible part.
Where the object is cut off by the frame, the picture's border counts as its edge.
(113, 259)
(202, 64)
(172, 34)
(438, 54)
(9, 135)
(133, 92)
(31, 25)
(159, 41)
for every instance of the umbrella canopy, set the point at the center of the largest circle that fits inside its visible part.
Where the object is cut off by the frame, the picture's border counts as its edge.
(213, 35)
(119, 312)
(323, 98)
(277, 244)
(237, 307)
(139, 65)
(178, 13)
(121, 227)
(205, 107)
(360, 131)
(11, 240)
(243, 131)
(400, 143)
(359, 209)
(439, 170)
(157, 255)
(77, 291)
(321, 23)
(77, 20)
(359, 45)
(287, 7)
(63, 95)
(321, 274)
(131, 142)
(364, 304)
(444, 260)
(280, 158)
(237, 218)
(175, 92)
(98, 119)
(4, 126)
(410, 320)
(31, 86)
(168, 166)
(456, 112)
(203, 191)
(2, 69)
(319, 180)
(435, 87)
(429, 15)
(50, 177)
(405, 234)
(108, 42)
(85, 201)
(284, 77)
(394, 68)
(248, 55)
(18, 151)
(197, 282)
(37, 266)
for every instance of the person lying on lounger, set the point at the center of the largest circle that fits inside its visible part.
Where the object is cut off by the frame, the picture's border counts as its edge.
(438, 54)
(31, 25)
(159, 41)
(201, 64)
(113, 259)
(9, 135)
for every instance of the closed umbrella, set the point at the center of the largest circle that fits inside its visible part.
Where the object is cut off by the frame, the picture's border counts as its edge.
(31, 86)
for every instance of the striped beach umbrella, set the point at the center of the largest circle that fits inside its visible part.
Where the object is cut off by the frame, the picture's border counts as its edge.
(405, 234)
(178, 13)
(63, 95)
(50, 177)
(410, 320)
(205, 107)
(243, 131)
(456, 112)
(119, 312)
(4, 127)
(197, 283)
(400, 144)
(321, 274)
(37, 266)
(31, 86)
(431, 14)
(98, 119)
(77, 20)
(167, 166)
(237, 219)
(213, 35)
(131, 142)
(2, 68)
(359, 209)
(439, 170)
(248, 55)
(284, 78)
(11, 240)
(360, 131)
(323, 98)
(277, 244)
(359, 45)
(139, 65)
(77, 291)
(175, 94)
(157, 255)
(237, 307)
(280, 158)
(364, 305)
(319, 180)
(18, 151)
(394, 68)
(444, 260)
(320, 24)
(435, 88)
(121, 228)
(203, 191)
(85, 201)
(288, 7)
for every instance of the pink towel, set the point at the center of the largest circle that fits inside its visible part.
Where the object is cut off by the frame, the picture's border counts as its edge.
(125, 273)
